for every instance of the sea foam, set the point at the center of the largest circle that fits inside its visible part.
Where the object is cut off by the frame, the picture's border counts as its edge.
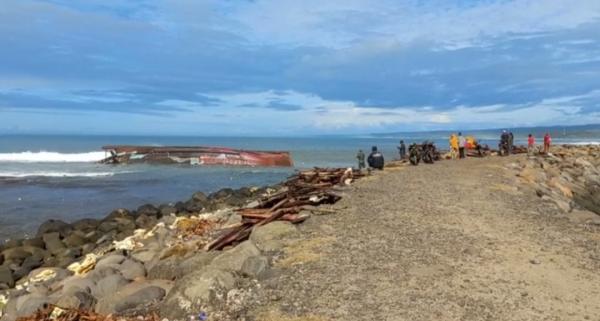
(51, 157)
(53, 174)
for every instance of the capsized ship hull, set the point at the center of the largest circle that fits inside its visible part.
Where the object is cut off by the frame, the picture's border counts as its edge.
(194, 155)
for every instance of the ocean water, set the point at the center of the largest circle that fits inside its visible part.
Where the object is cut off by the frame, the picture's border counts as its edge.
(58, 177)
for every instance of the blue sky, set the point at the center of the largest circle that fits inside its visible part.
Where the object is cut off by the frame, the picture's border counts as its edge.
(287, 67)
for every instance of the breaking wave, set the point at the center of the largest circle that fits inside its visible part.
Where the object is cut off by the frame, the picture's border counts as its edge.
(51, 157)
(585, 143)
(53, 174)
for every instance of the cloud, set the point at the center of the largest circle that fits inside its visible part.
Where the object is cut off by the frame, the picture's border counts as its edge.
(338, 64)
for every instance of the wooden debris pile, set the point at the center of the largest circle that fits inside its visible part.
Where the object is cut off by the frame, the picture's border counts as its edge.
(306, 188)
(54, 313)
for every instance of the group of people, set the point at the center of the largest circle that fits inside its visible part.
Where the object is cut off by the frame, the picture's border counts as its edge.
(458, 145)
(532, 148)
(375, 159)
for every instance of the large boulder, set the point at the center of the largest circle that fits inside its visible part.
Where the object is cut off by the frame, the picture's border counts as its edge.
(195, 291)
(53, 243)
(76, 300)
(74, 240)
(52, 226)
(271, 237)
(119, 213)
(233, 259)
(148, 209)
(30, 303)
(123, 301)
(6, 277)
(86, 225)
(109, 285)
(132, 270)
(15, 254)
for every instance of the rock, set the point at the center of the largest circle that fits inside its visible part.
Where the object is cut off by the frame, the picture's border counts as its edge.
(118, 213)
(255, 267)
(200, 197)
(6, 277)
(53, 242)
(30, 263)
(582, 216)
(109, 285)
(233, 260)
(74, 284)
(48, 275)
(100, 273)
(535, 261)
(87, 248)
(15, 254)
(146, 222)
(1, 258)
(148, 209)
(194, 207)
(86, 225)
(74, 240)
(54, 226)
(108, 226)
(145, 255)
(34, 242)
(165, 269)
(29, 304)
(132, 270)
(167, 210)
(195, 291)
(76, 300)
(110, 260)
(196, 262)
(222, 194)
(121, 302)
(12, 243)
(270, 237)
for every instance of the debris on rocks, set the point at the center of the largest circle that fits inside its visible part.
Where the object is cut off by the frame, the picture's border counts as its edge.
(85, 266)
(306, 188)
(54, 313)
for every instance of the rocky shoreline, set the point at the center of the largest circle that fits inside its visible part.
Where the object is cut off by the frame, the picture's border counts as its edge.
(130, 259)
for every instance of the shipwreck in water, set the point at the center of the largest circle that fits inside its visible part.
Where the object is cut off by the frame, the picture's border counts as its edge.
(194, 155)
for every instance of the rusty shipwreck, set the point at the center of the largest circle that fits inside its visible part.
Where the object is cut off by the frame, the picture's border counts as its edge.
(194, 155)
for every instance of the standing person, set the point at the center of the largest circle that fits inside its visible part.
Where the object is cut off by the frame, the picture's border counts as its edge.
(530, 145)
(547, 141)
(462, 142)
(375, 159)
(361, 159)
(511, 139)
(503, 146)
(453, 146)
(402, 150)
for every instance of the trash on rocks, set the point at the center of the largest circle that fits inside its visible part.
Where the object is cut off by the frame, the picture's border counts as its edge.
(43, 276)
(54, 313)
(85, 266)
(306, 188)
(129, 243)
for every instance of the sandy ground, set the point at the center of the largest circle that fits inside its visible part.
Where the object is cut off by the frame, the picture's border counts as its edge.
(457, 240)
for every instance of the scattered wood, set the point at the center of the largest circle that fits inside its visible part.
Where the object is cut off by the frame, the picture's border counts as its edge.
(306, 188)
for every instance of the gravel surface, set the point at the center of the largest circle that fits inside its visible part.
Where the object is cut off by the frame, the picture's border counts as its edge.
(457, 240)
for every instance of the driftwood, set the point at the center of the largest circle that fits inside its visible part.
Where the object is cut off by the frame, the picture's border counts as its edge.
(306, 188)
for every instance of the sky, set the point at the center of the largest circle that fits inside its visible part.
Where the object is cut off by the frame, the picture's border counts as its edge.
(289, 67)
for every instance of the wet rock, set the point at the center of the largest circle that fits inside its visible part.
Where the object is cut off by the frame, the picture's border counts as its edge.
(270, 237)
(74, 240)
(52, 226)
(167, 210)
(146, 222)
(76, 300)
(255, 267)
(148, 209)
(34, 242)
(86, 225)
(119, 213)
(132, 270)
(122, 301)
(15, 254)
(109, 285)
(194, 291)
(233, 260)
(6, 277)
(53, 242)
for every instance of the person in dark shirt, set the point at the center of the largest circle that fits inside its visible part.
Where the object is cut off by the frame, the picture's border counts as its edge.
(375, 159)
(402, 150)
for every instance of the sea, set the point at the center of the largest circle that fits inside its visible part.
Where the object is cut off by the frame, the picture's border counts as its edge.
(58, 177)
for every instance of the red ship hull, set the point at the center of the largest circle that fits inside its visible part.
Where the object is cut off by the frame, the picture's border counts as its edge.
(195, 155)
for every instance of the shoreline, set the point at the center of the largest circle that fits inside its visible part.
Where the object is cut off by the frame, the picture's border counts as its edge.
(165, 246)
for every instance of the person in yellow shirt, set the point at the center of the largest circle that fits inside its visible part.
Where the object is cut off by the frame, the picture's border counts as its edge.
(453, 146)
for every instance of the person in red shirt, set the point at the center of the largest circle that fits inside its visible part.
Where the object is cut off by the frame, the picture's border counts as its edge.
(530, 145)
(547, 141)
